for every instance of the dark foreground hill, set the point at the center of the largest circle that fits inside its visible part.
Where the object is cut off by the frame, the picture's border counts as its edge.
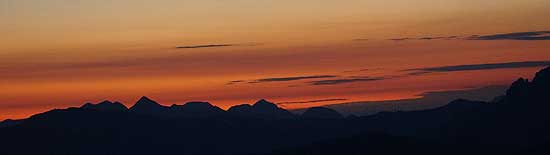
(517, 123)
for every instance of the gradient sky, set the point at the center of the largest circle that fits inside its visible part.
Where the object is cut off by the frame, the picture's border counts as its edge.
(60, 53)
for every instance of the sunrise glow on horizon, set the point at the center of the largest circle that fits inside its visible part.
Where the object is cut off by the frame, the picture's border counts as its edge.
(64, 53)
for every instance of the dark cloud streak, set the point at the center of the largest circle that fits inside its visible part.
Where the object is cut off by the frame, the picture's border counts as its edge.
(471, 67)
(400, 39)
(359, 70)
(235, 82)
(313, 101)
(345, 80)
(205, 46)
(426, 38)
(282, 79)
(534, 35)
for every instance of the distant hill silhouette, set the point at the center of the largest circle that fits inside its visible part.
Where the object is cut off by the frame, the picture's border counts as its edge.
(516, 123)
(427, 100)
(321, 113)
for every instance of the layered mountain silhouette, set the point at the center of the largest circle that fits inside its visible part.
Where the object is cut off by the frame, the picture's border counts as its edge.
(262, 109)
(516, 123)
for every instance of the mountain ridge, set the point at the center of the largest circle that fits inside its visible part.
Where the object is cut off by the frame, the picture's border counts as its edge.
(516, 122)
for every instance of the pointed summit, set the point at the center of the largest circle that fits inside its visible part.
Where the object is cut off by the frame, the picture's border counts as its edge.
(262, 101)
(106, 102)
(145, 100)
(147, 106)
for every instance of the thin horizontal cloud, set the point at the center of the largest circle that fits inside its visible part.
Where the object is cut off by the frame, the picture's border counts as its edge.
(235, 82)
(435, 38)
(471, 67)
(205, 46)
(400, 39)
(313, 101)
(345, 80)
(534, 35)
(281, 79)
(426, 38)
(216, 45)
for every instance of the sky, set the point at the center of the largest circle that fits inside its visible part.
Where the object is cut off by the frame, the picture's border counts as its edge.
(62, 53)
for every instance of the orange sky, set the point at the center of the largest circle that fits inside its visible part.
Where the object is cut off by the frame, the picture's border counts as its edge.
(60, 53)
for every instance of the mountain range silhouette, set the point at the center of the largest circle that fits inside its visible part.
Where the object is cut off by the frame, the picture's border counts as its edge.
(516, 123)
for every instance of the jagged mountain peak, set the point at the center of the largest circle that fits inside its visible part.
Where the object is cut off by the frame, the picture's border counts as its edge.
(145, 99)
(148, 106)
(542, 77)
